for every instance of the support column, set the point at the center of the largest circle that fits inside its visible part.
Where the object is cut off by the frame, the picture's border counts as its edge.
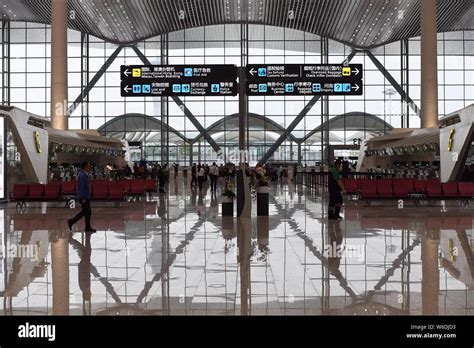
(60, 269)
(244, 207)
(242, 115)
(243, 191)
(325, 108)
(164, 107)
(59, 64)
(429, 65)
(430, 275)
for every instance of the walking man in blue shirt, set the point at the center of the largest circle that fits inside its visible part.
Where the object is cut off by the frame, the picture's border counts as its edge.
(84, 196)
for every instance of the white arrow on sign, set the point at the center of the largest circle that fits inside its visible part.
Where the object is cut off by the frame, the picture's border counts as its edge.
(126, 73)
(356, 87)
(252, 71)
(127, 89)
(356, 71)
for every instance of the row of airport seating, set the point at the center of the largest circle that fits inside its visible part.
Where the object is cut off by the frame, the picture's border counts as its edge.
(110, 221)
(100, 190)
(429, 222)
(404, 188)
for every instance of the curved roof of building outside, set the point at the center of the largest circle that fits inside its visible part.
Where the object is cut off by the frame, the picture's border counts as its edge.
(141, 127)
(361, 24)
(352, 121)
(256, 123)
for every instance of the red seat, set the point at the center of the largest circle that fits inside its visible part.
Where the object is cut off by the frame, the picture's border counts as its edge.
(466, 189)
(150, 185)
(137, 187)
(20, 192)
(35, 191)
(100, 190)
(126, 186)
(384, 188)
(401, 188)
(351, 186)
(116, 191)
(68, 188)
(409, 184)
(368, 189)
(52, 191)
(419, 186)
(363, 182)
(450, 189)
(433, 188)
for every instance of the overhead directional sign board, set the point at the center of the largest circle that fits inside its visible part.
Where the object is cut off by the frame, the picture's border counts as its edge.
(178, 80)
(309, 79)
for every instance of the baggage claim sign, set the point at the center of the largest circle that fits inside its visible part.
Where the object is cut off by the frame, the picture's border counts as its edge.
(309, 79)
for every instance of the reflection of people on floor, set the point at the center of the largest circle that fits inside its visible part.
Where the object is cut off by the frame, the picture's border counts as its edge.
(193, 195)
(162, 207)
(84, 270)
(162, 179)
(335, 248)
(200, 204)
(214, 208)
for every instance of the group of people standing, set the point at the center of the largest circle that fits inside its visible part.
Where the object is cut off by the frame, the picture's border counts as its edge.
(200, 173)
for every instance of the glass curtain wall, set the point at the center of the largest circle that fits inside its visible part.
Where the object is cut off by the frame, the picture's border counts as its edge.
(220, 44)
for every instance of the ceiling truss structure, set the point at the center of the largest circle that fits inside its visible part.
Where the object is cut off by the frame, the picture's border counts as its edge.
(360, 24)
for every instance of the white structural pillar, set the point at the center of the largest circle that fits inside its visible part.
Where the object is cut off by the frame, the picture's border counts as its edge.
(59, 86)
(429, 64)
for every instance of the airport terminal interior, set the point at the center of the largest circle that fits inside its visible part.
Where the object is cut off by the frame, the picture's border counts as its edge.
(241, 157)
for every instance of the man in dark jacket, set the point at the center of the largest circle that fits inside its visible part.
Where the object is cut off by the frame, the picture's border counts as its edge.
(84, 196)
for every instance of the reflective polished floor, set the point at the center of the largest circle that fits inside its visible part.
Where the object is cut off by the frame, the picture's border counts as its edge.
(175, 254)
